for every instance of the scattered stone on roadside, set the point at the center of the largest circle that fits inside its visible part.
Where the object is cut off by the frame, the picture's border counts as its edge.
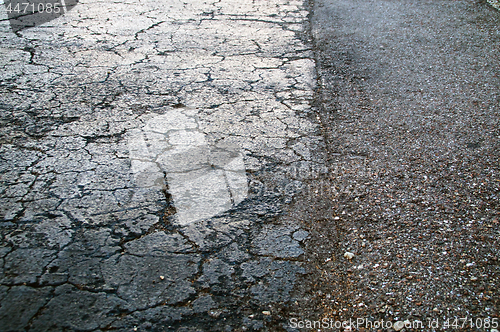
(300, 235)
(267, 313)
(349, 255)
(214, 313)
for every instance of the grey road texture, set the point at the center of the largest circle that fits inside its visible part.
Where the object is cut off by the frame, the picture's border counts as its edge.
(249, 166)
(149, 153)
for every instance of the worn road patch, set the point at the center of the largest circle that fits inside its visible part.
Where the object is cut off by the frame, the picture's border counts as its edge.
(170, 153)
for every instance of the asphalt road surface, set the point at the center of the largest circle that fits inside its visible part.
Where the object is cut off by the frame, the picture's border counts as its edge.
(251, 166)
(151, 155)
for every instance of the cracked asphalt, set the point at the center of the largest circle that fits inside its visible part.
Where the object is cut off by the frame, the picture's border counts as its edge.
(205, 165)
(149, 154)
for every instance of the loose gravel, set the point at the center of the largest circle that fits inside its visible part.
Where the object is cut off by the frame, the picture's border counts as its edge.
(409, 100)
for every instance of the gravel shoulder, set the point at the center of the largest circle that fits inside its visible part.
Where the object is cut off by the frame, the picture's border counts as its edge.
(149, 153)
(409, 101)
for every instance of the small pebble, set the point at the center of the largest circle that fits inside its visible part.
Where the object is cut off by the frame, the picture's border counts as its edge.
(162, 277)
(267, 313)
(215, 313)
(349, 255)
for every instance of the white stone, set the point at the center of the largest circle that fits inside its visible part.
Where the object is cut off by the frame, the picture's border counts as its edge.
(349, 255)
